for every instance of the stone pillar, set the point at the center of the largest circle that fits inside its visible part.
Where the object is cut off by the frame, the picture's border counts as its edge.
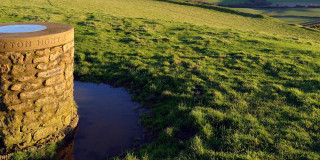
(36, 85)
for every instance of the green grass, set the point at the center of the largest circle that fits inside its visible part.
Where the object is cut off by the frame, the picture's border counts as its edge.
(228, 2)
(47, 153)
(218, 88)
(289, 15)
(154, 10)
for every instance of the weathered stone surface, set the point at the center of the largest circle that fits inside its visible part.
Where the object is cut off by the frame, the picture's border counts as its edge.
(26, 139)
(40, 53)
(60, 88)
(25, 86)
(47, 51)
(24, 78)
(10, 98)
(55, 56)
(45, 117)
(36, 87)
(17, 87)
(42, 133)
(54, 122)
(54, 63)
(29, 127)
(10, 140)
(42, 66)
(69, 83)
(41, 91)
(66, 58)
(16, 58)
(17, 69)
(28, 57)
(67, 120)
(4, 59)
(53, 105)
(68, 71)
(43, 101)
(54, 80)
(50, 73)
(44, 59)
(63, 107)
(57, 49)
(72, 52)
(32, 85)
(4, 68)
(20, 106)
(68, 46)
(4, 87)
(22, 68)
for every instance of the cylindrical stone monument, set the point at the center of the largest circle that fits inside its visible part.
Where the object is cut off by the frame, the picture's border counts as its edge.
(36, 85)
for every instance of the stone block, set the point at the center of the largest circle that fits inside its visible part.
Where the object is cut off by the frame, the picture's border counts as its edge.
(24, 78)
(54, 63)
(19, 106)
(55, 56)
(40, 53)
(25, 86)
(42, 66)
(44, 59)
(29, 127)
(66, 58)
(36, 93)
(4, 86)
(60, 88)
(54, 80)
(68, 71)
(67, 46)
(53, 105)
(22, 68)
(16, 58)
(4, 68)
(17, 87)
(9, 98)
(4, 59)
(43, 133)
(67, 119)
(50, 73)
(43, 101)
(47, 51)
(28, 57)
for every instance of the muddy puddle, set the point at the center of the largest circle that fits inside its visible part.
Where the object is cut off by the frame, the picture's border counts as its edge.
(108, 123)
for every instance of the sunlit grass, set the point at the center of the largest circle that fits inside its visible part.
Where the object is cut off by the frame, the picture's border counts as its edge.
(153, 10)
(216, 89)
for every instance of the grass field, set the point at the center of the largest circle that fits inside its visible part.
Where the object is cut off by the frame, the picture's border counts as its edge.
(154, 10)
(227, 2)
(218, 88)
(289, 15)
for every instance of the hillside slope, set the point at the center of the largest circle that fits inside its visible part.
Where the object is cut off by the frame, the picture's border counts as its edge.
(219, 85)
(151, 9)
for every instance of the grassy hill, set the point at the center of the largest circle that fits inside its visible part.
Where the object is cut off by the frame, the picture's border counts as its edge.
(231, 2)
(220, 85)
(289, 15)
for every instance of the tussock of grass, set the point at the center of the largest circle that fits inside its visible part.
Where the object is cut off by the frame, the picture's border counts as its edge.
(213, 93)
(47, 153)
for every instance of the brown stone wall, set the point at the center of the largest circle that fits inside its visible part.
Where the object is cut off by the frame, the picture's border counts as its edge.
(36, 89)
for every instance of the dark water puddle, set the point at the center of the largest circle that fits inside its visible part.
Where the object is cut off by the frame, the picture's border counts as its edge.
(108, 123)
